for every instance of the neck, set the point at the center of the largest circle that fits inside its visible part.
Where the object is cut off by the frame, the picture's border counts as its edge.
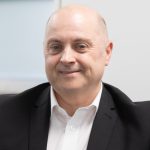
(71, 101)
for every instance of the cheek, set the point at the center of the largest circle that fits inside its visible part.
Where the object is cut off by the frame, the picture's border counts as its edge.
(51, 61)
(98, 63)
(50, 67)
(100, 57)
(97, 57)
(91, 63)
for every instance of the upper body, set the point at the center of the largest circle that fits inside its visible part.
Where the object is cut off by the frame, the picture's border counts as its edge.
(119, 123)
(76, 50)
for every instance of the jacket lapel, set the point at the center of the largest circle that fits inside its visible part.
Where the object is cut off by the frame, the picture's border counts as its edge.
(39, 122)
(103, 124)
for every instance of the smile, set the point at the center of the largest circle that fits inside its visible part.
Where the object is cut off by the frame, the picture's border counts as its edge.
(69, 73)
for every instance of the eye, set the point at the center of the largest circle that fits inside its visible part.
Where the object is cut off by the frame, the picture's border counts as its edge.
(81, 47)
(54, 48)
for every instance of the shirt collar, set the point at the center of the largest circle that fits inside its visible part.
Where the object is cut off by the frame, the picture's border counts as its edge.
(95, 102)
(53, 99)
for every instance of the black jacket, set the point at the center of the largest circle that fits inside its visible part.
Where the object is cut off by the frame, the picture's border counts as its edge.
(120, 124)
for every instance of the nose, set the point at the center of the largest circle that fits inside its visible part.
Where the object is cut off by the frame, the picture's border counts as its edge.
(68, 56)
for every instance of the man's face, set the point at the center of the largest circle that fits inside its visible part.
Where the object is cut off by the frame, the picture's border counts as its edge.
(76, 52)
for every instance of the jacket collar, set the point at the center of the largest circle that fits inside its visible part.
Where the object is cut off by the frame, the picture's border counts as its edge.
(39, 121)
(103, 124)
(101, 131)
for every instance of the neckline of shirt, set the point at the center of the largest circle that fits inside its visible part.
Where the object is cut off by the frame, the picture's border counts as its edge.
(94, 104)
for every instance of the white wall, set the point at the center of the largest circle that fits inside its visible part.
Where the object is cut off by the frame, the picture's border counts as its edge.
(21, 34)
(129, 28)
(22, 25)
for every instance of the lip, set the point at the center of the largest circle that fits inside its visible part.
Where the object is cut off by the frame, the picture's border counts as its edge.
(69, 73)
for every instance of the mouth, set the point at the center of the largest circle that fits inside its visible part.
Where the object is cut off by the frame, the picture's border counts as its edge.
(69, 73)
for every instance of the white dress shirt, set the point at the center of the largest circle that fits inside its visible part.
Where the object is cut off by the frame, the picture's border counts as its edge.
(71, 132)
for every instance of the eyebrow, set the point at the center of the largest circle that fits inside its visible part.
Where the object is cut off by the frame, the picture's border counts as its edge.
(53, 40)
(82, 39)
(85, 40)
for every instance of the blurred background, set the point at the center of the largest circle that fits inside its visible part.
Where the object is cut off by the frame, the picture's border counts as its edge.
(22, 27)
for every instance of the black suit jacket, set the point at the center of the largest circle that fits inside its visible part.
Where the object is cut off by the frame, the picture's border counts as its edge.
(120, 124)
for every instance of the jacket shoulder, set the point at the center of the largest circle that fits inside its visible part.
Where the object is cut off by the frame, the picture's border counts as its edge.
(116, 93)
(29, 94)
(126, 108)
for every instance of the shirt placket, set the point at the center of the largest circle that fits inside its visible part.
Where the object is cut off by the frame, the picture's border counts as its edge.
(70, 136)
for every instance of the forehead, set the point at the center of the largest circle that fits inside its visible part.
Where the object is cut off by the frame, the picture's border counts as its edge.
(72, 31)
(75, 20)
(70, 24)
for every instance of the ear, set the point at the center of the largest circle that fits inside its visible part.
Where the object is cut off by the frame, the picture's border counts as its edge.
(108, 51)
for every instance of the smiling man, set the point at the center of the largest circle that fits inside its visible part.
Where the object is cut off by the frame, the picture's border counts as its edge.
(76, 52)
(75, 110)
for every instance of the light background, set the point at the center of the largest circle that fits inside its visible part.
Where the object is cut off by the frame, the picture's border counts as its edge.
(22, 26)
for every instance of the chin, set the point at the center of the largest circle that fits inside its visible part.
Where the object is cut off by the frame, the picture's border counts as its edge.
(70, 88)
(70, 85)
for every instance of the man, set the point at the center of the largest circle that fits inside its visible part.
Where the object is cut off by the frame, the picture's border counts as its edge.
(76, 111)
